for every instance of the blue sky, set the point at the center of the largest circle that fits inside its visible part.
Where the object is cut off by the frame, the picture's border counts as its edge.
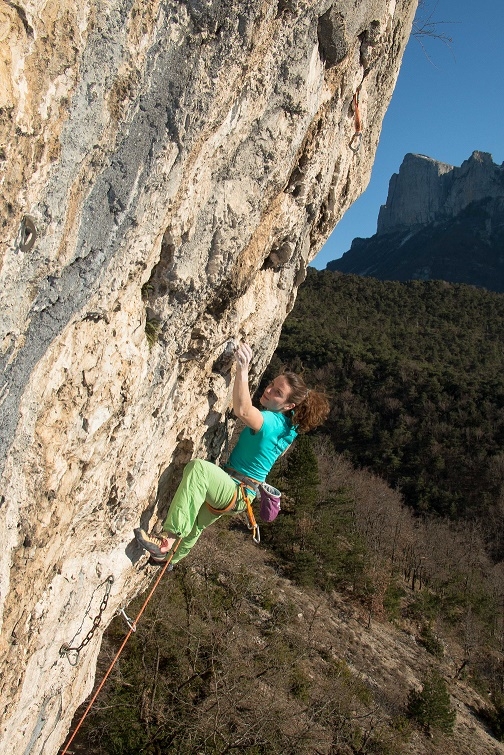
(448, 102)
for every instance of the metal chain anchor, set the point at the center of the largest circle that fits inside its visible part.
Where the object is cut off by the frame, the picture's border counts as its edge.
(71, 653)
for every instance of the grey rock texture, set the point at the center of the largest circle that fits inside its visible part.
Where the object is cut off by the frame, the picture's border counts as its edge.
(439, 222)
(168, 171)
(426, 190)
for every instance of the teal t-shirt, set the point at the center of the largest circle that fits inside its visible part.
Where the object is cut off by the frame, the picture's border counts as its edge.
(256, 452)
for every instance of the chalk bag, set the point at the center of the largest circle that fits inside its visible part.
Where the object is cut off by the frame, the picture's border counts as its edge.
(270, 502)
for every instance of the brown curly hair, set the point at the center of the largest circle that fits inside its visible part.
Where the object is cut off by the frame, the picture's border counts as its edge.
(311, 407)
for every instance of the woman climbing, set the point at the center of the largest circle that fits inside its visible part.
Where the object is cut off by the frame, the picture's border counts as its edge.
(206, 490)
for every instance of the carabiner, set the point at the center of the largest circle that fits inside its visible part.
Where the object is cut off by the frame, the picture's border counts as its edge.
(355, 142)
(252, 524)
(127, 619)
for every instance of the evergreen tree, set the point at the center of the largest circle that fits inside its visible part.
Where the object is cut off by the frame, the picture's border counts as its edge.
(431, 706)
(302, 473)
(294, 534)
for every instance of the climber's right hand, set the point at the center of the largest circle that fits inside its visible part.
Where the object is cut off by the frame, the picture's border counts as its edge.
(243, 355)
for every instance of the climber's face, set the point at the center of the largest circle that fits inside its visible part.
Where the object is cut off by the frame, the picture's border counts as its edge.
(276, 396)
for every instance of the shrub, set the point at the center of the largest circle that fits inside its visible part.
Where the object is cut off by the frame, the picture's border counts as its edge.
(152, 330)
(495, 717)
(430, 707)
(430, 642)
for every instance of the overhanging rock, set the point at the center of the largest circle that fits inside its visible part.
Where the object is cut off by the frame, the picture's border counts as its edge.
(169, 170)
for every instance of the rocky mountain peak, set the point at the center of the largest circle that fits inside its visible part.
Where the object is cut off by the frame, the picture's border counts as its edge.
(440, 222)
(427, 190)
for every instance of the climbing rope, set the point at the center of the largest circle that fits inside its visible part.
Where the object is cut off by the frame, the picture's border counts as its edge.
(132, 628)
(355, 141)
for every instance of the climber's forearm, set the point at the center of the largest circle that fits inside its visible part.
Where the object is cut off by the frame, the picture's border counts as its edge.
(242, 401)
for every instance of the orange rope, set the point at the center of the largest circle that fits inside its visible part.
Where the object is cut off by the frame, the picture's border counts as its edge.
(132, 628)
(358, 122)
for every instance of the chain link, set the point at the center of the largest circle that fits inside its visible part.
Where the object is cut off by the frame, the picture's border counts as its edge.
(71, 653)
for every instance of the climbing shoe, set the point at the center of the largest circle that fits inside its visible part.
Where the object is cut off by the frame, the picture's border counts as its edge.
(157, 546)
(160, 561)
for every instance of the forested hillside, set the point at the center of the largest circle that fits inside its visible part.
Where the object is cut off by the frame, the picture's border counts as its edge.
(359, 626)
(416, 375)
(355, 628)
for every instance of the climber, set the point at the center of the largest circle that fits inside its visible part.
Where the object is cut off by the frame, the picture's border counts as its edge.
(206, 490)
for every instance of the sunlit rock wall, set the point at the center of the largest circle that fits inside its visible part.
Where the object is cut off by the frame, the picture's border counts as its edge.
(168, 171)
(428, 191)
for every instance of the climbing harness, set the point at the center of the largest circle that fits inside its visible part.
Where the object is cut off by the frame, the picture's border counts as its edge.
(247, 483)
(269, 498)
(116, 657)
(71, 653)
(252, 524)
(356, 140)
(250, 484)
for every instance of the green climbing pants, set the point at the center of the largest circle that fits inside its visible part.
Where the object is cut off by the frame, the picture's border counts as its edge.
(188, 516)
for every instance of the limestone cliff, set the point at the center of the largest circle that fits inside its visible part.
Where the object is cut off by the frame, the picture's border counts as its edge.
(426, 190)
(440, 222)
(168, 171)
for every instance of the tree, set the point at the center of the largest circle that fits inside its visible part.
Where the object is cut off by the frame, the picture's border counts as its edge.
(430, 707)
(302, 473)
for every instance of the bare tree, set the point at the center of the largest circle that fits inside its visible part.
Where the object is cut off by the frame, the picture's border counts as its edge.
(425, 26)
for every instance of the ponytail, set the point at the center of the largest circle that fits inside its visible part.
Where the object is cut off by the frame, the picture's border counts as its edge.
(311, 407)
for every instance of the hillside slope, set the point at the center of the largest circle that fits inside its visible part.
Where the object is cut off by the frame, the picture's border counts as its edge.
(416, 370)
(291, 669)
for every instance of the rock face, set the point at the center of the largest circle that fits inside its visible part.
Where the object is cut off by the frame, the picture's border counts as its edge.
(427, 191)
(168, 171)
(439, 222)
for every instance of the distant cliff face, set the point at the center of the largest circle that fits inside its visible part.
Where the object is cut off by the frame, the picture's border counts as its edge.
(169, 170)
(427, 191)
(439, 222)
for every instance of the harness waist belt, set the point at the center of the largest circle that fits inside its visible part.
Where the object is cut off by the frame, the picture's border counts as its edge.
(249, 481)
